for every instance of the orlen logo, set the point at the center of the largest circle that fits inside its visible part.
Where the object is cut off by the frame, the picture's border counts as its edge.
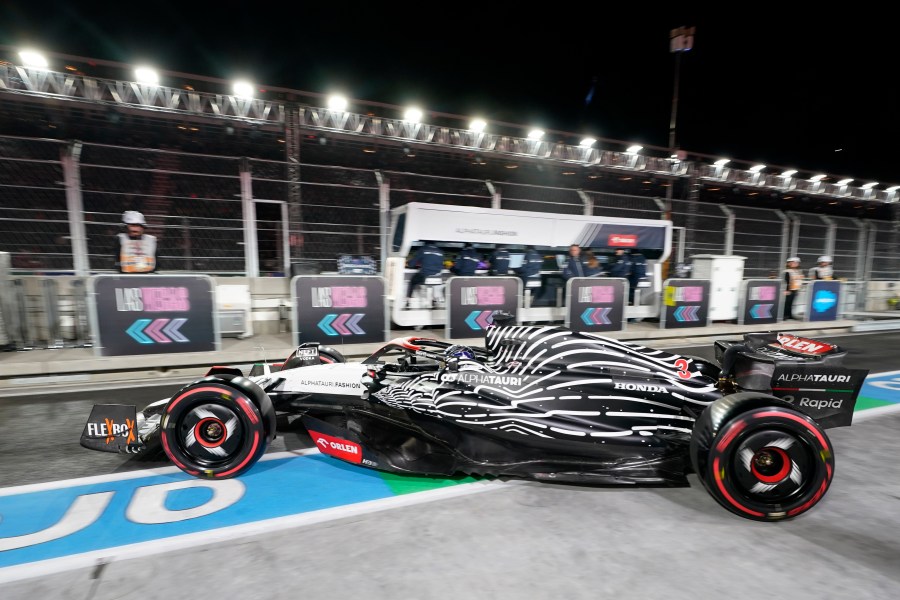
(804, 345)
(338, 448)
(617, 239)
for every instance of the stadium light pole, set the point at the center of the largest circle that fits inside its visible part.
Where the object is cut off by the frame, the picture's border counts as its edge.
(681, 40)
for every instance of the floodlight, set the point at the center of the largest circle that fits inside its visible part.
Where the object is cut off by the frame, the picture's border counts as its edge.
(33, 59)
(844, 182)
(789, 173)
(477, 125)
(870, 185)
(338, 103)
(413, 115)
(146, 76)
(535, 134)
(587, 142)
(634, 149)
(817, 178)
(757, 168)
(722, 162)
(243, 89)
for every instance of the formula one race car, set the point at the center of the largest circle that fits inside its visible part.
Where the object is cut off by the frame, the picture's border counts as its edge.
(537, 402)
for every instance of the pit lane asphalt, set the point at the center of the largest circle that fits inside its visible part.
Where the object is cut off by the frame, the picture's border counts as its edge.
(528, 540)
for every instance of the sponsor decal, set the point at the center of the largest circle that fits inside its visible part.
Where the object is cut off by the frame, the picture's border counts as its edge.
(486, 295)
(507, 232)
(597, 294)
(331, 383)
(763, 293)
(640, 387)
(339, 297)
(622, 240)
(337, 447)
(111, 430)
(824, 300)
(470, 378)
(812, 378)
(802, 345)
(152, 299)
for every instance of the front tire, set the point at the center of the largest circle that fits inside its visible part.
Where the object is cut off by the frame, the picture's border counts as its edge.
(768, 463)
(213, 430)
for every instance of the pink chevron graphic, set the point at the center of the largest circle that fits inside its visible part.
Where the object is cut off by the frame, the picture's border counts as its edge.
(338, 324)
(153, 330)
(484, 319)
(598, 316)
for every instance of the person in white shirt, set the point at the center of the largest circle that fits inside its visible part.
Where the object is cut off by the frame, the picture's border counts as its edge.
(823, 270)
(135, 250)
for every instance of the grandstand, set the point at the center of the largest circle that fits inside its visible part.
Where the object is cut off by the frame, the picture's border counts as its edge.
(216, 174)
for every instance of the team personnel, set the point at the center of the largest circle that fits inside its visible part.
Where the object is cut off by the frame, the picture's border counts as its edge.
(620, 265)
(135, 250)
(467, 262)
(793, 280)
(430, 261)
(638, 272)
(574, 266)
(823, 270)
(531, 264)
(500, 261)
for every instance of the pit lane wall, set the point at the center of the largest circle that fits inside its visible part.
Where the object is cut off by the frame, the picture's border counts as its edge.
(54, 312)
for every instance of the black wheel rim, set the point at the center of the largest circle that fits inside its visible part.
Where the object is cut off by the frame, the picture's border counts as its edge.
(210, 434)
(772, 466)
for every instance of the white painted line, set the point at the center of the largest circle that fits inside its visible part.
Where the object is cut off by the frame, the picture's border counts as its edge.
(212, 536)
(878, 411)
(65, 483)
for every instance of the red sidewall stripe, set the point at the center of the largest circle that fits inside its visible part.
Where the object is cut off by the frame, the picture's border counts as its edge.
(728, 497)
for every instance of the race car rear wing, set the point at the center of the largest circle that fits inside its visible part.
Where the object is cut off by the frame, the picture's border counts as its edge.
(806, 373)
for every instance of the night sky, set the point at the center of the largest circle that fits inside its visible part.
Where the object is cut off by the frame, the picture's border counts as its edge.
(816, 94)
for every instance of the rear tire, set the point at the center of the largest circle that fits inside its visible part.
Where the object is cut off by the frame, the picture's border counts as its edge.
(213, 430)
(768, 463)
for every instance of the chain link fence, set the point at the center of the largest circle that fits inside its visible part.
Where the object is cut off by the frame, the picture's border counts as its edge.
(194, 205)
(34, 219)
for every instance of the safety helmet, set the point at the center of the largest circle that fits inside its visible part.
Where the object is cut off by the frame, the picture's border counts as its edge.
(459, 351)
(133, 217)
(824, 259)
(793, 259)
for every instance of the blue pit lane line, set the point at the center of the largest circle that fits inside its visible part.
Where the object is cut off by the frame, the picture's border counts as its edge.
(63, 525)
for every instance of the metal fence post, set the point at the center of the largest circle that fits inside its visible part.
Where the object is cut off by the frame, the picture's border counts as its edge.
(729, 230)
(588, 203)
(50, 298)
(248, 211)
(69, 158)
(384, 216)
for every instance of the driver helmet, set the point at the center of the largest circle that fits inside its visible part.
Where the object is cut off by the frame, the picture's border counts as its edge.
(459, 351)
(133, 217)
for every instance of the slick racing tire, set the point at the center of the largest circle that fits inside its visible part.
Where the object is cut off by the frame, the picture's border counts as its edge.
(769, 463)
(328, 355)
(213, 430)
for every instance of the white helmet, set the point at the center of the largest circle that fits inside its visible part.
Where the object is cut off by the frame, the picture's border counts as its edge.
(133, 217)
(824, 259)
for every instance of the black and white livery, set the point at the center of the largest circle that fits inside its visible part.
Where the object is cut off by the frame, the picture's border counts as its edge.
(537, 402)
